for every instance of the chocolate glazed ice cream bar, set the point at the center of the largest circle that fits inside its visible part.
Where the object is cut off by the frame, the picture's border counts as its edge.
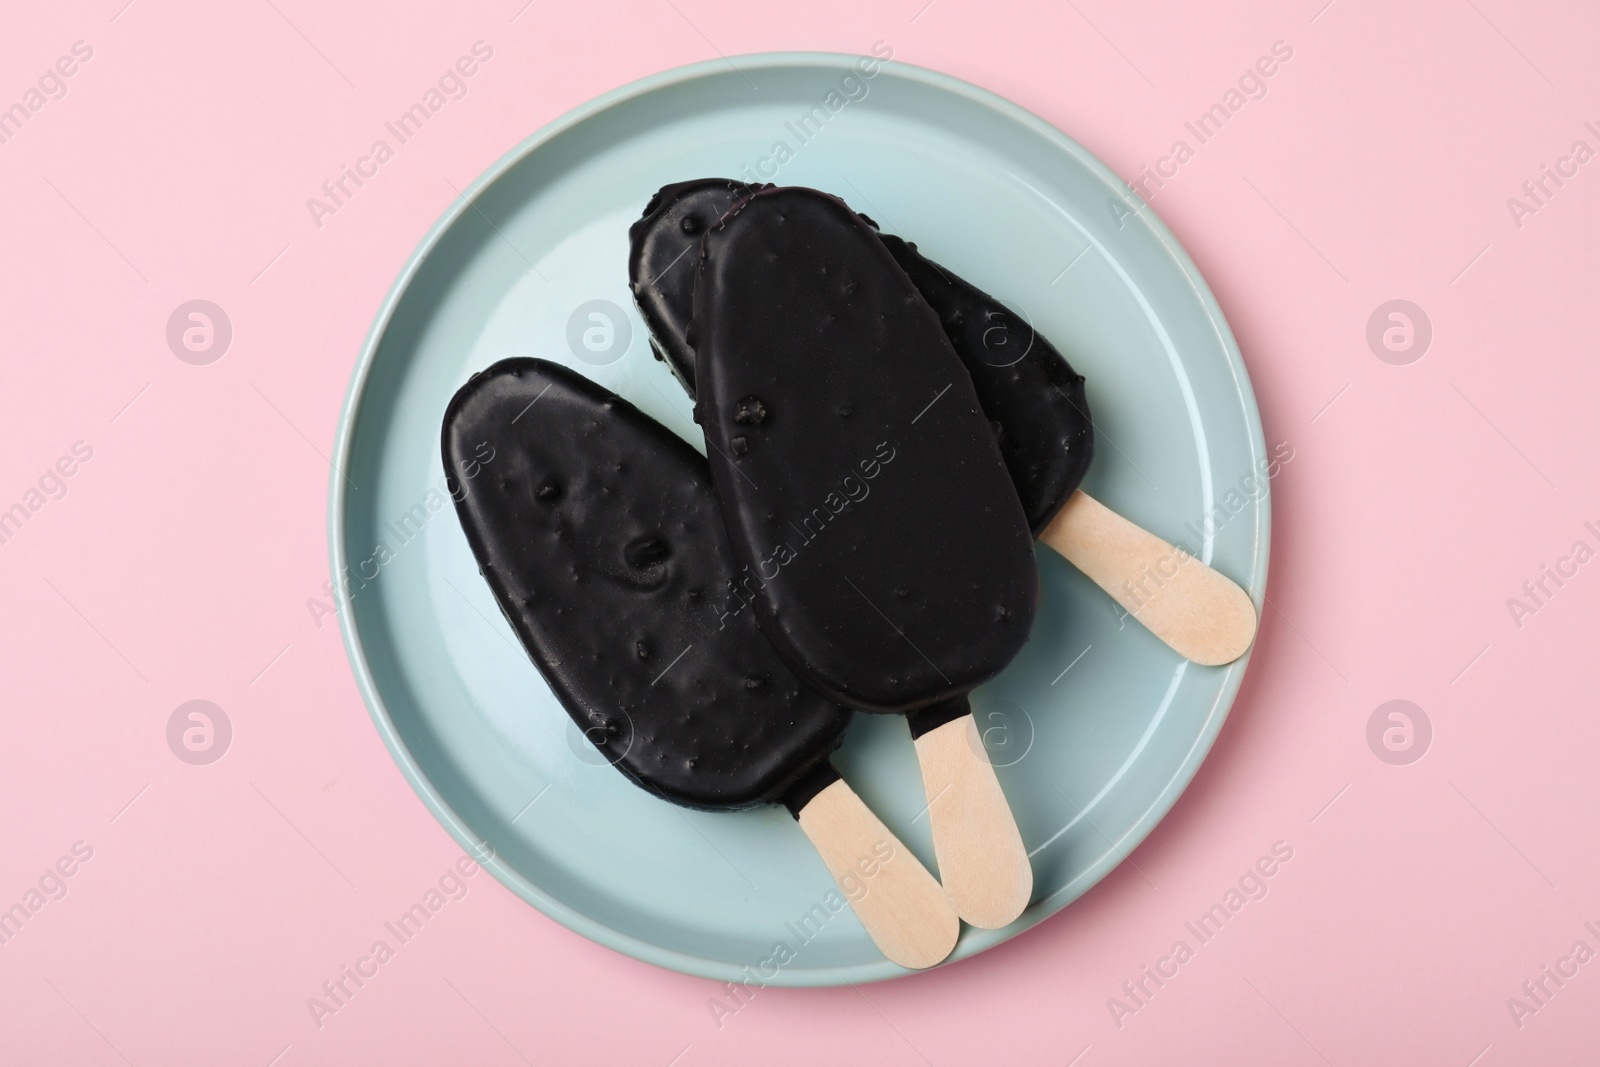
(1028, 392)
(861, 485)
(604, 547)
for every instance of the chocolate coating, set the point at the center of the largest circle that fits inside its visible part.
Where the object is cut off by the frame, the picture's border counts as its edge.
(597, 530)
(663, 247)
(1028, 390)
(859, 479)
(1026, 387)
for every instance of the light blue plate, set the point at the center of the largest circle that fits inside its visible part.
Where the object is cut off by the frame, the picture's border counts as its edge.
(1091, 758)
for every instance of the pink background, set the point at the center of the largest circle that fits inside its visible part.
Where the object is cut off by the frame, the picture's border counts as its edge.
(179, 563)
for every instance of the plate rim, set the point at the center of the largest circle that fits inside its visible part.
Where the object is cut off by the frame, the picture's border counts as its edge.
(481, 850)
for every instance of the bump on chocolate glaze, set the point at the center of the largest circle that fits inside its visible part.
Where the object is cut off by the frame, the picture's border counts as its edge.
(871, 499)
(1026, 387)
(597, 530)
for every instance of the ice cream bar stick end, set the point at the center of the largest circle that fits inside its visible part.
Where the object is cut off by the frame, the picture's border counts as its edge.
(982, 861)
(1204, 616)
(903, 908)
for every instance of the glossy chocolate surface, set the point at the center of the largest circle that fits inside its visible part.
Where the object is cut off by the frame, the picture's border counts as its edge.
(860, 481)
(663, 253)
(1029, 392)
(597, 530)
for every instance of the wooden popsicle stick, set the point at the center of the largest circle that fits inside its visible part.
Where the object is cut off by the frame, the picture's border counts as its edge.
(904, 909)
(982, 862)
(1204, 616)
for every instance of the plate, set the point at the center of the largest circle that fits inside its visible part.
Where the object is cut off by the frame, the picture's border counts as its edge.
(1095, 728)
